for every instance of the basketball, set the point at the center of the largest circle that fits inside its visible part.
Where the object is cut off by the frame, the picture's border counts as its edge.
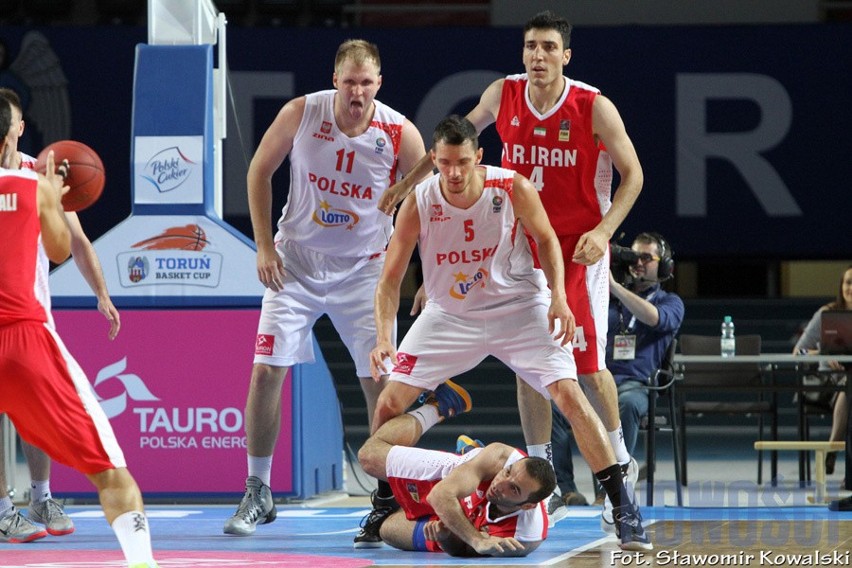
(85, 175)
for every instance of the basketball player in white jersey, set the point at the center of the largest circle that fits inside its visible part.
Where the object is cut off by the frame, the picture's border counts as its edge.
(345, 148)
(485, 297)
(43, 508)
(566, 138)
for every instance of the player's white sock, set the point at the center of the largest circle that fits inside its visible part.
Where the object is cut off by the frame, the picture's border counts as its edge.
(131, 528)
(427, 415)
(544, 451)
(260, 467)
(616, 438)
(40, 491)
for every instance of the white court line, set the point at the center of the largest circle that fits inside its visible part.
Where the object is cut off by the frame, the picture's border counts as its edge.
(585, 547)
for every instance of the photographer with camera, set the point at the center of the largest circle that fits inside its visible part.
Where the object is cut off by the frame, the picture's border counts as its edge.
(643, 319)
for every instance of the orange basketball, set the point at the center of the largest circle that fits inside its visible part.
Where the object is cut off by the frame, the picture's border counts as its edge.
(85, 175)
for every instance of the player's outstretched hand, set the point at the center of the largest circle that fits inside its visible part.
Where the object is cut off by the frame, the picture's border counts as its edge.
(56, 174)
(392, 197)
(384, 350)
(497, 546)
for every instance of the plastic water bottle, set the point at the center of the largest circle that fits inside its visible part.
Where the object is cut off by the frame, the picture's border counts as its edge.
(728, 342)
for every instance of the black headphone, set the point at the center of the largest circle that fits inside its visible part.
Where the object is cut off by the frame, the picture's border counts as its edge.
(665, 268)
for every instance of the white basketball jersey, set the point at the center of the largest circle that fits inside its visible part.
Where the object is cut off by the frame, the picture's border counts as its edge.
(476, 258)
(336, 181)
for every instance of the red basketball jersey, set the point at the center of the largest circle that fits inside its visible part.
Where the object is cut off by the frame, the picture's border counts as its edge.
(557, 151)
(20, 232)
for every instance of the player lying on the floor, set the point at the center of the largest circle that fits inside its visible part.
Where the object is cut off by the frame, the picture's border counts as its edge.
(487, 502)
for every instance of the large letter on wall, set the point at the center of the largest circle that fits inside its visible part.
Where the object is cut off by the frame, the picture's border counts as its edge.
(239, 146)
(447, 93)
(743, 149)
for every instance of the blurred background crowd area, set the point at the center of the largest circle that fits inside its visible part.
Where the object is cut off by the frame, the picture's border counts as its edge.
(405, 13)
(789, 279)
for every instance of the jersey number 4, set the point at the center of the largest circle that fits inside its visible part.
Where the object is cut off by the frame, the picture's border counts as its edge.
(537, 177)
(579, 341)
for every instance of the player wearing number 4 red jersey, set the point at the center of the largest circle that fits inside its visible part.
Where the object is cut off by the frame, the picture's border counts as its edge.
(565, 137)
(345, 148)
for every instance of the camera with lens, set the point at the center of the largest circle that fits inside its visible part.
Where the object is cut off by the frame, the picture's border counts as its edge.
(621, 259)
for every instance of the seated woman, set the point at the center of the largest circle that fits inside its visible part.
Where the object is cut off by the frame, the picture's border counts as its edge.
(809, 344)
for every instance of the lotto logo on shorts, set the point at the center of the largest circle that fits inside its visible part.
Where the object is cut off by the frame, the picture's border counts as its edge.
(264, 344)
(405, 363)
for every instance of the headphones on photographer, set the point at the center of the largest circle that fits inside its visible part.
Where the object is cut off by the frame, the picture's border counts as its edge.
(665, 268)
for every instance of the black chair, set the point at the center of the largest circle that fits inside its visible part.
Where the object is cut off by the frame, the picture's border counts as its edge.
(662, 383)
(736, 389)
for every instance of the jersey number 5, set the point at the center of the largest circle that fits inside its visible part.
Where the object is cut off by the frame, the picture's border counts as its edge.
(468, 230)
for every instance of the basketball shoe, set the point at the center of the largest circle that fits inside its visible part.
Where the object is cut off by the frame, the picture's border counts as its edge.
(51, 514)
(630, 473)
(629, 529)
(557, 505)
(372, 523)
(464, 444)
(256, 507)
(16, 528)
(450, 398)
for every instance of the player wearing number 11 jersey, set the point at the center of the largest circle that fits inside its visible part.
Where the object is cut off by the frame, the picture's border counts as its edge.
(345, 148)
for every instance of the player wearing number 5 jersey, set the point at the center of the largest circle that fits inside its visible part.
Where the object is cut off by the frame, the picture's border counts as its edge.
(345, 148)
(485, 298)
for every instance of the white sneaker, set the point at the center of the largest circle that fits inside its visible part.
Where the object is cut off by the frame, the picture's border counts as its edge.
(51, 514)
(255, 508)
(630, 473)
(16, 528)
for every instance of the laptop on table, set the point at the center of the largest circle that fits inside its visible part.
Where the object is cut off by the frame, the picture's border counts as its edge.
(836, 332)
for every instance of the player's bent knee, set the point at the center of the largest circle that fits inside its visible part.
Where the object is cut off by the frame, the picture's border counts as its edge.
(366, 456)
(117, 478)
(389, 406)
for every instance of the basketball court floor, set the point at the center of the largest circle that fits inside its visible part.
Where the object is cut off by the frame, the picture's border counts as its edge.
(319, 534)
(727, 520)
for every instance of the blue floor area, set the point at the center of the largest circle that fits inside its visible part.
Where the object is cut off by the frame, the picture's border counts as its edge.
(189, 536)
